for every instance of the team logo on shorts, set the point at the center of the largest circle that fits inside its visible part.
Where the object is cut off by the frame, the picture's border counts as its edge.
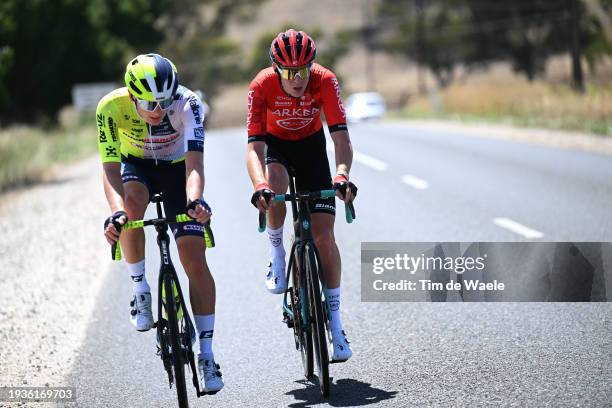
(191, 227)
(294, 123)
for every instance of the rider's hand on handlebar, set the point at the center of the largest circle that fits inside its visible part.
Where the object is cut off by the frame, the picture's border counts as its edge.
(112, 226)
(345, 190)
(261, 197)
(199, 210)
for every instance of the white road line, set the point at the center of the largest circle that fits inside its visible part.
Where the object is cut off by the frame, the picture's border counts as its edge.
(517, 228)
(415, 182)
(366, 160)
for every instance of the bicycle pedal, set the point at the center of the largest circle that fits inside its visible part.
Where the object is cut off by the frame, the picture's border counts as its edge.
(287, 320)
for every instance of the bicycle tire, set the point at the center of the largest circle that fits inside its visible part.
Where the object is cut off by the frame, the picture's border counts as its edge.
(175, 344)
(299, 298)
(319, 334)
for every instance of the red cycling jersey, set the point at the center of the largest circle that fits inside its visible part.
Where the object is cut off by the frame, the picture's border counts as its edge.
(272, 111)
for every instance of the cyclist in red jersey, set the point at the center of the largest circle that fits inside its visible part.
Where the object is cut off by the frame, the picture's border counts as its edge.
(285, 131)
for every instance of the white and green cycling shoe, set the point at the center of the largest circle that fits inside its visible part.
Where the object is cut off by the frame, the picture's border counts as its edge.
(141, 315)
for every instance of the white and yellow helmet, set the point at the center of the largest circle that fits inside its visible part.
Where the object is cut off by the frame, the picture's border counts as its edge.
(151, 77)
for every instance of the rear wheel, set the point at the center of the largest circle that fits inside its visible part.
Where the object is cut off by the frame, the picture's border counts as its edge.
(319, 334)
(176, 349)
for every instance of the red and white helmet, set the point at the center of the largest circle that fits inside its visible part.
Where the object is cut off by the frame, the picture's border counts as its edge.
(292, 49)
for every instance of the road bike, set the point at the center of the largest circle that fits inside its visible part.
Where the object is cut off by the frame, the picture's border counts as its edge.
(304, 307)
(175, 329)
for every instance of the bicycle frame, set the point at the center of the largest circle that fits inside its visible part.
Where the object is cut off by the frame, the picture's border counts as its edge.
(303, 235)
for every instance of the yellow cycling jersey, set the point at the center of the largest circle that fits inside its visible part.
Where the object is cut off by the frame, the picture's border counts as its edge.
(123, 134)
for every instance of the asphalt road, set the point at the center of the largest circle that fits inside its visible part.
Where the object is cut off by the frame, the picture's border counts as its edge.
(414, 186)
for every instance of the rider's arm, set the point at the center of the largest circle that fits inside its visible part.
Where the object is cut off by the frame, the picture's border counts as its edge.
(336, 122)
(192, 117)
(256, 129)
(108, 146)
(194, 168)
(344, 151)
(255, 162)
(113, 186)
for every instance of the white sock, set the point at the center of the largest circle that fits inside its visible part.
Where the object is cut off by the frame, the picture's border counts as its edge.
(277, 249)
(139, 280)
(205, 324)
(333, 301)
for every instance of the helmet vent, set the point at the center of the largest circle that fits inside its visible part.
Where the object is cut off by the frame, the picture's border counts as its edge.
(145, 85)
(135, 89)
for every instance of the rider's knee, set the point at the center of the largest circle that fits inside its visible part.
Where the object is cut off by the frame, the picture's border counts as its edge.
(135, 204)
(278, 178)
(324, 239)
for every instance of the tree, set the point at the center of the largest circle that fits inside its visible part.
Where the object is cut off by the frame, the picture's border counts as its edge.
(195, 41)
(441, 34)
(50, 45)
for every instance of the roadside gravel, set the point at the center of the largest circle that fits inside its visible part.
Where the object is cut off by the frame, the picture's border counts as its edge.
(52, 265)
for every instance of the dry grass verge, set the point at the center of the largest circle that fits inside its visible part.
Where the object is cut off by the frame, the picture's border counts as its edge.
(27, 155)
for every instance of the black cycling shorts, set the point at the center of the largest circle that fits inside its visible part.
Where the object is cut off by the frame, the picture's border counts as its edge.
(307, 160)
(168, 179)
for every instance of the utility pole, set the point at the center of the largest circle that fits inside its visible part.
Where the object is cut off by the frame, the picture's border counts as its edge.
(575, 14)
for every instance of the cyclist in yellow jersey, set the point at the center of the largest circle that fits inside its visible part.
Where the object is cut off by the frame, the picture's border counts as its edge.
(151, 140)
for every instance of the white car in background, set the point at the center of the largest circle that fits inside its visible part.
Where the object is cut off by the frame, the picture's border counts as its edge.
(364, 105)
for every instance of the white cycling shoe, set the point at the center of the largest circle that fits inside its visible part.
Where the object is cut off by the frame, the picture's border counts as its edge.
(276, 280)
(210, 376)
(341, 346)
(141, 315)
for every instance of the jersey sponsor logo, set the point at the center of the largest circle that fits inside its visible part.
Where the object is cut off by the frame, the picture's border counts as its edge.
(103, 137)
(283, 101)
(195, 146)
(135, 121)
(157, 139)
(337, 88)
(164, 128)
(294, 123)
(198, 133)
(113, 128)
(250, 99)
(100, 120)
(126, 117)
(249, 107)
(195, 108)
(111, 151)
(300, 112)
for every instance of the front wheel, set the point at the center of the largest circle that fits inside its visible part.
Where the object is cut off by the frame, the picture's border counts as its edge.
(299, 300)
(319, 334)
(176, 349)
